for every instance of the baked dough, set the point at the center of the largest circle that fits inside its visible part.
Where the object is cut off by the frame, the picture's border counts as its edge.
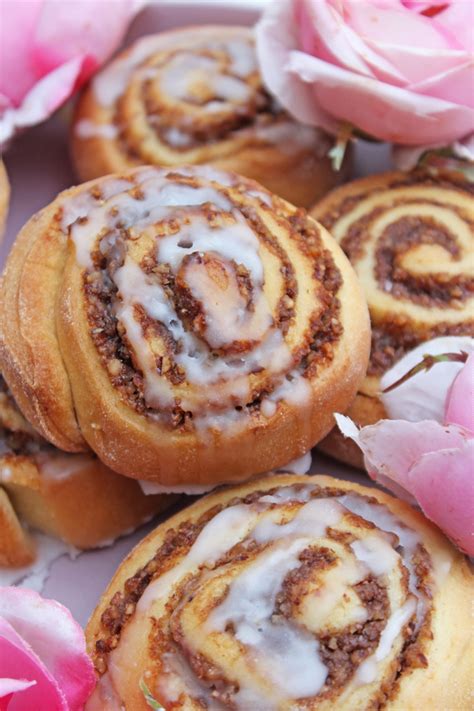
(288, 593)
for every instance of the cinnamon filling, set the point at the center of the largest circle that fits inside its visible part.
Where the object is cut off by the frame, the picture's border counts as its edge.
(198, 96)
(396, 269)
(201, 280)
(343, 651)
(429, 289)
(414, 178)
(393, 338)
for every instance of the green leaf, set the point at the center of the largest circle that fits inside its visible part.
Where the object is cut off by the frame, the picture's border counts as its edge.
(149, 698)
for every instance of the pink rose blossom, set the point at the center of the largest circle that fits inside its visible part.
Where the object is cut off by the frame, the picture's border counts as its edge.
(428, 461)
(398, 70)
(48, 48)
(44, 664)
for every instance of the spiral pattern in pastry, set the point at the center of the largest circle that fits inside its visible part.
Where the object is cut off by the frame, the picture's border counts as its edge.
(195, 96)
(410, 238)
(287, 593)
(198, 328)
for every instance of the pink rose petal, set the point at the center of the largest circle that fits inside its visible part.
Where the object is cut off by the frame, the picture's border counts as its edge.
(448, 84)
(17, 70)
(387, 112)
(395, 70)
(277, 36)
(458, 19)
(393, 447)
(20, 661)
(443, 484)
(460, 399)
(48, 48)
(46, 96)
(53, 635)
(431, 462)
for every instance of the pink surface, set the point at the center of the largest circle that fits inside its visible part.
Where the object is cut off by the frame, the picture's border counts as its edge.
(39, 167)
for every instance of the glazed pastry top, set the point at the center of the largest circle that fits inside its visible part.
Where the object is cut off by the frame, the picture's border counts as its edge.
(293, 594)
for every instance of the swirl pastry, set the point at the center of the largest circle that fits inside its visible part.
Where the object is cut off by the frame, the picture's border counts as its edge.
(195, 96)
(73, 497)
(189, 326)
(410, 238)
(4, 198)
(289, 592)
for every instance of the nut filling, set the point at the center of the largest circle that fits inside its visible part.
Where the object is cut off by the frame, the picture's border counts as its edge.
(410, 239)
(204, 296)
(277, 582)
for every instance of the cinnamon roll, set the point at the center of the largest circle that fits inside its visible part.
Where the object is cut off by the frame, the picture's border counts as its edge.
(410, 238)
(4, 198)
(188, 325)
(73, 497)
(289, 592)
(195, 96)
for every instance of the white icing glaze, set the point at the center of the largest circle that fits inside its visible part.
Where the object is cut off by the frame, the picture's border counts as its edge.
(408, 540)
(34, 576)
(227, 247)
(177, 138)
(311, 520)
(225, 530)
(268, 408)
(294, 389)
(150, 488)
(109, 84)
(285, 654)
(88, 129)
(288, 493)
(288, 136)
(5, 471)
(182, 70)
(334, 592)
(242, 54)
(61, 466)
(178, 679)
(299, 466)
(367, 671)
(266, 198)
(184, 76)
(384, 519)
(377, 554)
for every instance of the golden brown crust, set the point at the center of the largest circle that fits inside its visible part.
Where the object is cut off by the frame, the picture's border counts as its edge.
(73, 497)
(4, 198)
(31, 361)
(77, 498)
(156, 620)
(16, 547)
(128, 117)
(80, 380)
(409, 237)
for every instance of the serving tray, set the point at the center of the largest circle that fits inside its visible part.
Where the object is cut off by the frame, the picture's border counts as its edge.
(39, 167)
